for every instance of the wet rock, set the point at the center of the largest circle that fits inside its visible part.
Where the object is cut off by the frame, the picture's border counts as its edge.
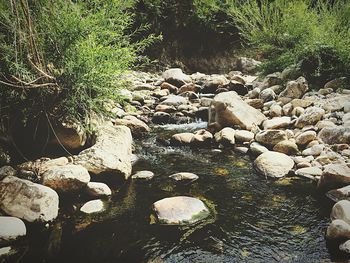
(228, 109)
(309, 172)
(94, 206)
(66, 178)
(295, 89)
(95, 189)
(111, 154)
(27, 200)
(161, 117)
(287, 147)
(305, 137)
(137, 127)
(310, 117)
(335, 175)
(143, 175)
(274, 164)
(11, 228)
(277, 123)
(244, 136)
(271, 137)
(7, 171)
(174, 100)
(341, 210)
(226, 136)
(257, 149)
(338, 229)
(180, 210)
(184, 176)
(176, 77)
(335, 135)
(339, 194)
(345, 247)
(184, 138)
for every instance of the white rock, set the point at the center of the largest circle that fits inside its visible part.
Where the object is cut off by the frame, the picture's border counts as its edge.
(144, 175)
(309, 172)
(271, 137)
(335, 175)
(96, 189)
(341, 210)
(257, 149)
(277, 123)
(274, 164)
(305, 137)
(314, 150)
(184, 176)
(11, 228)
(345, 247)
(339, 194)
(93, 206)
(244, 136)
(338, 229)
(176, 77)
(226, 136)
(310, 117)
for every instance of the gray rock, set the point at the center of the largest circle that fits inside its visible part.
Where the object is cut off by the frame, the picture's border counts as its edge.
(174, 100)
(143, 175)
(267, 95)
(180, 210)
(305, 137)
(244, 136)
(271, 137)
(247, 65)
(335, 135)
(184, 176)
(11, 228)
(277, 123)
(275, 110)
(176, 77)
(27, 200)
(66, 178)
(314, 150)
(257, 149)
(7, 171)
(338, 229)
(94, 206)
(341, 210)
(295, 89)
(274, 164)
(309, 172)
(95, 189)
(310, 117)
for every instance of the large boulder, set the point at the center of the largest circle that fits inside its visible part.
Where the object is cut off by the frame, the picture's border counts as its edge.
(310, 117)
(228, 109)
(137, 127)
(334, 175)
(341, 210)
(335, 135)
(295, 89)
(66, 178)
(11, 228)
(271, 137)
(176, 77)
(111, 154)
(180, 210)
(29, 201)
(274, 164)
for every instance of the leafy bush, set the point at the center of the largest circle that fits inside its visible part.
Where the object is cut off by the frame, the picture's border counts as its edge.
(317, 33)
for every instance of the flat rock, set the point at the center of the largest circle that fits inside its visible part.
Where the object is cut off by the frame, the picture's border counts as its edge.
(96, 189)
(335, 175)
(11, 228)
(184, 176)
(277, 123)
(180, 210)
(29, 201)
(274, 164)
(339, 194)
(174, 100)
(143, 175)
(94, 206)
(309, 172)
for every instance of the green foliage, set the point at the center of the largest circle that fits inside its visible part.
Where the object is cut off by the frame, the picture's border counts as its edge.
(83, 47)
(286, 32)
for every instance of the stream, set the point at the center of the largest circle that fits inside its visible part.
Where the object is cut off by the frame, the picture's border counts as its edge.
(254, 220)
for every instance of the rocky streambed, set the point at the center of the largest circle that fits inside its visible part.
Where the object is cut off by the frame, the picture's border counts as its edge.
(222, 168)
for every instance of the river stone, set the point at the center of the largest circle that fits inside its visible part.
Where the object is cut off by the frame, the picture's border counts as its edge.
(267, 95)
(338, 229)
(226, 136)
(244, 136)
(182, 138)
(111, 154)
(95, 189)
(29, 201)
(176, 77)
(160, 117)
(277, 123)
(271, 137)
(170, 87)
(7, 171)
(180, 210)
(137, 127)
(274, 164)
(184, 176)
(214, 83)
(287, 147)
(305, 137)
(339, 194)
(66, 178)
(315, 150)
(309, 172)
(345, 247)
(94, 206)
(11, 228)
(257, 149)
(189, 87)
(335, 175)
(69, 134)
(295, 89)
(335, 135)
(341, 210)
(165, 108)
(174, 100)
(310, 117)
(202, 136)
(229, 110)
(143, 175)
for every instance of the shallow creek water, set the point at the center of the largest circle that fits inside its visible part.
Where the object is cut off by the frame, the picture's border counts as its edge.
(255, 220)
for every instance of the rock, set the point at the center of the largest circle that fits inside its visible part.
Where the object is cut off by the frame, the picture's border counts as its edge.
(339, 194)
(214, 83)
(274, 164)
(335, 135)
(182, 138)
(272, 80)
(302, 103)
(184, 176)
(335, 84)
(275, 110)
(66, 178)
(29, 201)
(94, 206)
(338, 229)
(226, 136)
(333, 104)
(287, 147)
(341, 210)
(176, 77)
(7, 171)
(271, 137)
(95, 189)
(165, 108)
(305, 137)
(257, 149)
(144, 175)
(244, 136)
(6, 252)
(314, 150)
(267, 95)
(137, 127)
(228, 109)
(174, 100)
(168, 86)
(111, 154)
(180, 210)
(202, 136)
(247, 65)
(295, 89)
(69, 134)
(255, 103)
(310, 117)
(5, 157)
(189, 87)
(298, 111)
(345, 247)
(11, 228)
(335, 175)
(309, 172)
(277, 123)
(161, 118)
